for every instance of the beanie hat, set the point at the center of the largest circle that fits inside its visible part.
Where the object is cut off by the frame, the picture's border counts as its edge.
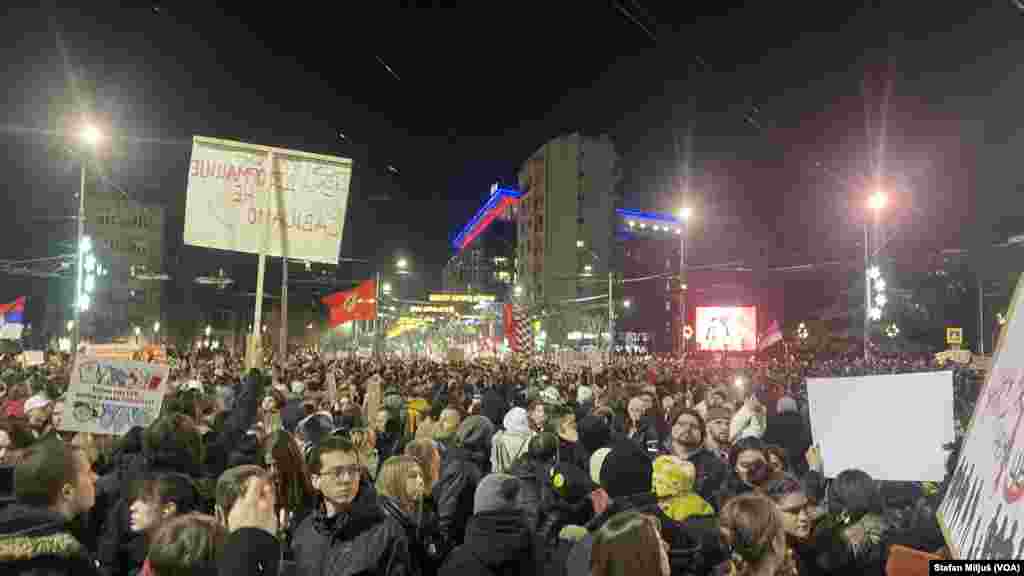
(627, 470)
(596, 462)
(37, 401)
(496, 492)
(718, 413)
(594, 432)
(584, 394)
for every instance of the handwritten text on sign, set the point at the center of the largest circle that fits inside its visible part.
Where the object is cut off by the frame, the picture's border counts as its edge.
(110, 396)
(235, 202)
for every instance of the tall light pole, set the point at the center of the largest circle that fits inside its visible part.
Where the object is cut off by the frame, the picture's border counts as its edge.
(875, 203)
(91, 136)
(684, 217)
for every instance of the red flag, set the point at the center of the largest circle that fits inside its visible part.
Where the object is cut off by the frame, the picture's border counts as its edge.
(360, 303)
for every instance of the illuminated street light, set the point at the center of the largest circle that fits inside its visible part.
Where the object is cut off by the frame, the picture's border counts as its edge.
(70, 325)
(627, 304)
(386, 288)
(518, 290)
(684, 213)
(138, 331)
(90, 134)
(875, 314)
(739, 382)
(802, 332)
(156, 327)
(209, 330)
(892, 331)
(402, 264)
(877, 201)
(880, 285)
(874, 273)
(579, 243)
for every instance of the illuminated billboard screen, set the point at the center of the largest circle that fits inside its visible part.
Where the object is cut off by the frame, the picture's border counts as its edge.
(732, 328)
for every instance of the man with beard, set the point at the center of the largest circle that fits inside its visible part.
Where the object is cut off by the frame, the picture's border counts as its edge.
(687, 442)
(717, 441)
(349, 533)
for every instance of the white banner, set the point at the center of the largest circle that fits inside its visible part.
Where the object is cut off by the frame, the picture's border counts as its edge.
(893, 426)
(110, 396)
(228, 207)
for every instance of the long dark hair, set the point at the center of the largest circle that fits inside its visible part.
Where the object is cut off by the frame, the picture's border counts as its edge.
(293, 486)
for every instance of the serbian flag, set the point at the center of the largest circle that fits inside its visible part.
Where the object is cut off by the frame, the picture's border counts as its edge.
(772, 335)
(359, 303)
(12, 319)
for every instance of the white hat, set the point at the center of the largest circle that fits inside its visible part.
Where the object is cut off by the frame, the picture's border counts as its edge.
(37, 401)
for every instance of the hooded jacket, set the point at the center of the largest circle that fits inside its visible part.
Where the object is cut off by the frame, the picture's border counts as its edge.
(464, 466)
(36, 542)
(512, 442)
(364, 540)
(497, 543)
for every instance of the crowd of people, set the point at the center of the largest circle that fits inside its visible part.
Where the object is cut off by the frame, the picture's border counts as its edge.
(334, 465)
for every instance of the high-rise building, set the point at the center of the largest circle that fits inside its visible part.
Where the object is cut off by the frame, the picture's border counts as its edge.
(566, 223)
(128, 238)
(484, 258)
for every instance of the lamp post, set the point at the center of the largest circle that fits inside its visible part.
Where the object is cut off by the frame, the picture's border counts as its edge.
(91, 136)
(875, 203)
(684, 217)
(138, 333)
(156, 332)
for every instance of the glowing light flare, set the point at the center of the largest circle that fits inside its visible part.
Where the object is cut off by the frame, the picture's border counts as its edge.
(90, 134)
(685, 213)
(877, 201)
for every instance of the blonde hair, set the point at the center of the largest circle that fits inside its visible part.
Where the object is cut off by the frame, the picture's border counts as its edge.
(423, 450)
(391, 481)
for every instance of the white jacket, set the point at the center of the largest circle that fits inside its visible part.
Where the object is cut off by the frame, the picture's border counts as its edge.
(746, 422)
(510, 444)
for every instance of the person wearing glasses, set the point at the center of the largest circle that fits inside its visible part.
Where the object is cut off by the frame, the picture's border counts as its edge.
(349, 532)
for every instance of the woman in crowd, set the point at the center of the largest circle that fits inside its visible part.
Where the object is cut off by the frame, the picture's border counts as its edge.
(629, 543)
(750, 469)
(799, 515)
(294, 490)
(157, 500)
(365, 441)
(401, 485)
(752, 531)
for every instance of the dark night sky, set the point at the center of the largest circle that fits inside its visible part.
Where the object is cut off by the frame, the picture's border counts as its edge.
(775, 94)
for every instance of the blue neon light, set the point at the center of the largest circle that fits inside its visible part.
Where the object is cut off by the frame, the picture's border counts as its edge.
(498, 194)
(649, 216)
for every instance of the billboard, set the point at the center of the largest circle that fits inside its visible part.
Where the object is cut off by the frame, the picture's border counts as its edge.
(731, 328)
(228, 205)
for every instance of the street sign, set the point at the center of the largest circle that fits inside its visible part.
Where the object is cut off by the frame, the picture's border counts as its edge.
(955, 336)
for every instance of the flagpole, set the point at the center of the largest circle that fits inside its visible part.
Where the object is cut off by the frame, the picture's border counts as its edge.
(378, 325)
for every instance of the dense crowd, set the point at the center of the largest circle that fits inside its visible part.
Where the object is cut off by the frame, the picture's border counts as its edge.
(335, 465)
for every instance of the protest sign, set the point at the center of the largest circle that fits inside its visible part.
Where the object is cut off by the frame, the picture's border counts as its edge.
(112, 395)
(891, 426)
(984, 502)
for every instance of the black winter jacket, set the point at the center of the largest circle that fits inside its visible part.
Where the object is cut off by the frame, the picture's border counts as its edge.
(454, 491)
(497, 544)
(36, 542)
(361, 541)
(250, 552)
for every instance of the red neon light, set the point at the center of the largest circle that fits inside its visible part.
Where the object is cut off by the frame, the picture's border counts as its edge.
(484, 222)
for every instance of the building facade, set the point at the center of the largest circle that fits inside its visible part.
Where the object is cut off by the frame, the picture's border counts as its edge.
(484, 250)
(566, 227)
(128, 239)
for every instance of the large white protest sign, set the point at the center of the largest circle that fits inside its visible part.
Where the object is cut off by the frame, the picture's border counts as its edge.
(891, 426)
(228, 206)
(110, 396)
(983, 506)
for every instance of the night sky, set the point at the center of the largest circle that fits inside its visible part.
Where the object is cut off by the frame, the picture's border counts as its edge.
(781, 103)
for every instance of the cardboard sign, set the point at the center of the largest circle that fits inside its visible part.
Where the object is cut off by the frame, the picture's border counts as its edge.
(984, 503)
(110, 395)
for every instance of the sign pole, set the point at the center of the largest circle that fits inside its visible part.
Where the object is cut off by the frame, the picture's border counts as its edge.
(255, 348)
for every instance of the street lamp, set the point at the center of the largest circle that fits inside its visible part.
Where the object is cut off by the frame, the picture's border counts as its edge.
(876, 203)
(684, 216)
(626, 304)
(402, 264)
(209, 330)
(70, 325)
(90, 135)
(386, 288)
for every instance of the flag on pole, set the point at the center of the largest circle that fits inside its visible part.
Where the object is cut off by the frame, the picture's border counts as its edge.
(770, 336)
(359, 303)
(12, 319)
